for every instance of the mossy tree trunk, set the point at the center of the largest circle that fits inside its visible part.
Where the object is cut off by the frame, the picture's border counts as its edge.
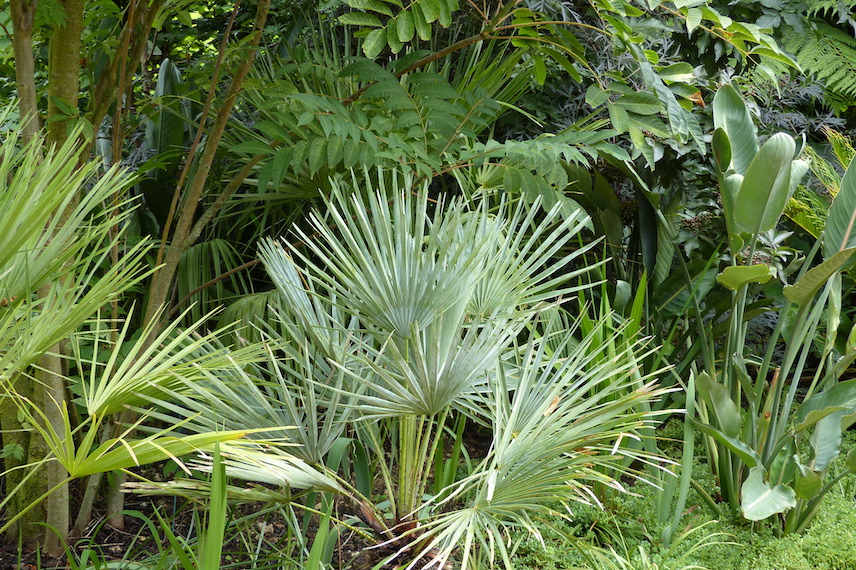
(16, 435)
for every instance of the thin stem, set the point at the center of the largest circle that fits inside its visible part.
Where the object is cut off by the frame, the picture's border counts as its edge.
(209, 100)
(176, 307)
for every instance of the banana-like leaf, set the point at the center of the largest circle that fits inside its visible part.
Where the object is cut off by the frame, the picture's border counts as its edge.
(841, 396)
(746, 454)
(766, 186)
(736, 276)
(851, 460)
(760, 500)
(729, 190)
(721, 149)
(808, 482)
(826, 439)
(716, 396)
(804, 290)
(840, 232)
(165, 127)
(731, 115)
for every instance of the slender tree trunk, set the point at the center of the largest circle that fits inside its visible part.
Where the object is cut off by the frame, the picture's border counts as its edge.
(52, 387)
(23, 14)
(64, 70)
(191, 195)
(63, 90)
(29, 527)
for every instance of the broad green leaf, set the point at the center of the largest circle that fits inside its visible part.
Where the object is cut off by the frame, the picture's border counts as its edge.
(693, 19)
(851, 460)
(746, 454)
(641, 103)
(421, 22)
(736, 276)
(540, 70)
(431, 9)
(317, 154)
(721, 149)
(252, 147)
(808, 482)
(680, 73)
(716, 396)
(595, 96)
(731, 115)
(759, 500)
(405, 26)
(841, 396)
(446, 9)
(165, 128)
(804, 290)
(360, 19)
(374, 43)
(766, 186)
(826, 439)
(728, 192)
(799, 168)
(392, 40)
(840, 232)
(619, 118)
(373, 5)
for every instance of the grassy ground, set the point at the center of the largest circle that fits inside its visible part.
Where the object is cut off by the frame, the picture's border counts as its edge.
(627, 527)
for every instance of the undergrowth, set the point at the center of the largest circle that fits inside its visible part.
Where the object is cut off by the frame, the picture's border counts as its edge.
(625, 526)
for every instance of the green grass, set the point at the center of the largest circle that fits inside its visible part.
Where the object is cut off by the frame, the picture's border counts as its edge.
(626, 524)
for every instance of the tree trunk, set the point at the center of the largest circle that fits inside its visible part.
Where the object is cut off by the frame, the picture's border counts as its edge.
(52, 385)
(23, 13)
(63, 90)
(64, 71)
(192, 194)
(29, 527)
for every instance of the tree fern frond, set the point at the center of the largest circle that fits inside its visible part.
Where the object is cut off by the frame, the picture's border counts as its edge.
(827, 53)
(841, 9)
(823, 170)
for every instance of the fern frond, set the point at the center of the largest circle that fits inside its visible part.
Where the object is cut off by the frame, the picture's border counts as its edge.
(828, 54)
(807, 210)
(843, 149)
(823, 170)
(841, 9)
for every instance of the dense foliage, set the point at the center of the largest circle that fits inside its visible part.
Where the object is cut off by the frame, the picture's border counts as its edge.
(421, 278)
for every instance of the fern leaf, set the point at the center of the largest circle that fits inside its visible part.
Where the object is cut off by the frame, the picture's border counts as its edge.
(827, 53)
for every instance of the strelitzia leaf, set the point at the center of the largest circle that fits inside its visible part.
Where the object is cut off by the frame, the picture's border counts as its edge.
(730, 115)
(766, 186)
(736, 276)
(760, 500)
(804, 290)
(840, 232)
